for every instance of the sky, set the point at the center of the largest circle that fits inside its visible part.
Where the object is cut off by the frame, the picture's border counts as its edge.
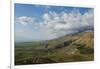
(45, 22)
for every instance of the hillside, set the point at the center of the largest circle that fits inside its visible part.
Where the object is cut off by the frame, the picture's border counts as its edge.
(69, 48)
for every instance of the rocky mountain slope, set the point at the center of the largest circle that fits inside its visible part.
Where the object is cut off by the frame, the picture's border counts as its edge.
(69, 48)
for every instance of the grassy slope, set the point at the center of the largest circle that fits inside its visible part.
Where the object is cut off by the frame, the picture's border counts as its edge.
(78, 48)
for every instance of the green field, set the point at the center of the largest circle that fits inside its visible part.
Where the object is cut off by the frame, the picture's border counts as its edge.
(71, 48)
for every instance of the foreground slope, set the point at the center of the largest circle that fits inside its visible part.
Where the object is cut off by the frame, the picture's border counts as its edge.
(69, 48)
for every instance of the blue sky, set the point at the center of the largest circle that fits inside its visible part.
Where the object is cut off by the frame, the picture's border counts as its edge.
(30, 21)
(39, 10)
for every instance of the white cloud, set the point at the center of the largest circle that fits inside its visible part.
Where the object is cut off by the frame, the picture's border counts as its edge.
(24, 20)
(55, 25)
(67, 23)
